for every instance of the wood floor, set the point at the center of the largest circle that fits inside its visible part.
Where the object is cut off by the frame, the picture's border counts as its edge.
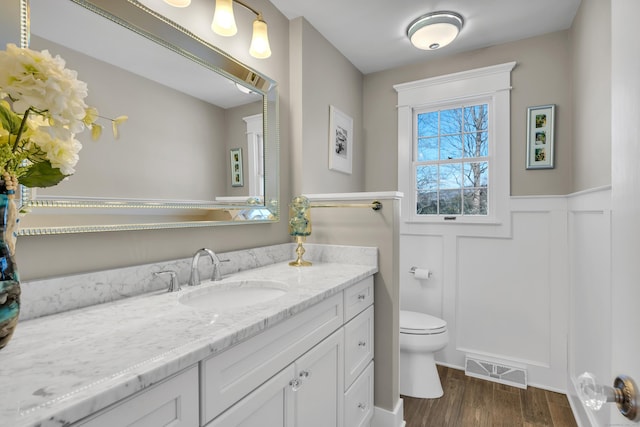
(470, 402)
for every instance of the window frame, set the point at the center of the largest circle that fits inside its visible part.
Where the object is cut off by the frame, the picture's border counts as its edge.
(492, 84)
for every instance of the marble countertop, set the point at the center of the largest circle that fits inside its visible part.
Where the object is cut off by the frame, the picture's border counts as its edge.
(60, 368)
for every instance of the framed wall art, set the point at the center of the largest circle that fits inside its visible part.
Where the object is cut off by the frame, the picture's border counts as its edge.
(236, 167)
(540, 139)
(340, 141)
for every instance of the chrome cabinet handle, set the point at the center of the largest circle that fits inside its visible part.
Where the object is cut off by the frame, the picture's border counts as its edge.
(362, 406)
(304, 374)
(295, 384)
(361, 297)
(362, 344)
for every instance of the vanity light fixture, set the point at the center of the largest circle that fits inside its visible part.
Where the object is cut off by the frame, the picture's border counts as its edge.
(224, 24)
(435, 30)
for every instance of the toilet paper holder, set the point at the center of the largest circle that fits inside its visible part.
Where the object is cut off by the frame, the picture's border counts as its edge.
(412, 270)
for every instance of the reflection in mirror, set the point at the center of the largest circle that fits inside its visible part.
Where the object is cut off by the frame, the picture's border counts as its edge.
(188, 106)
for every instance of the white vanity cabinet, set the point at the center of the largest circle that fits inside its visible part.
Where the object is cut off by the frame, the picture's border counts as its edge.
(306, 393)
(329, 385)
(226, 378)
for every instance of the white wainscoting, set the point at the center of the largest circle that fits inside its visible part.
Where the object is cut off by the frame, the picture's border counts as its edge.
(590, 312)
(506, 294)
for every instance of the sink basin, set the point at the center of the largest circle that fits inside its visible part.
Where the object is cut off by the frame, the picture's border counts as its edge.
(226, 295)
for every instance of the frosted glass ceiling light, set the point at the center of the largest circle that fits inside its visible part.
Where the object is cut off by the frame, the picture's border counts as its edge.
(434, 30)
(224, 23)
(178, 3)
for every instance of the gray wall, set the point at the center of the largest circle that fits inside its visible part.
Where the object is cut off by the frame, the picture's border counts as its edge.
(590, 38)
(9, 23)
(542, 76)
(323, 77)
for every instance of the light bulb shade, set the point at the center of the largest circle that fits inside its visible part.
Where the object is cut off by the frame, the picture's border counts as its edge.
(224, 23)
(260, 41)
(434, 30)
(178, 3)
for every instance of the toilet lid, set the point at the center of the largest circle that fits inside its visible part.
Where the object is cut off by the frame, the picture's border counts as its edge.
(412, 322)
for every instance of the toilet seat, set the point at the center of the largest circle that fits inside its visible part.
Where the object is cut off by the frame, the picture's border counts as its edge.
(412, 322)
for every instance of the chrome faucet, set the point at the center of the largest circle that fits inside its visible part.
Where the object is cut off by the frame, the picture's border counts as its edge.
(194, 279)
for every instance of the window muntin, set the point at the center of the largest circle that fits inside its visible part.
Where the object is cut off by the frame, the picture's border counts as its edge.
(451, 164)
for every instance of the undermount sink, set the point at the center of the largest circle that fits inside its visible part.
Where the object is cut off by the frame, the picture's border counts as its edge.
(225, 295)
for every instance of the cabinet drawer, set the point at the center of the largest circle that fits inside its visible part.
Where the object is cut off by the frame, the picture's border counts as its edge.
(358, 400)
(229, 376)
(173, 402)
(357, 298)
(358, 336)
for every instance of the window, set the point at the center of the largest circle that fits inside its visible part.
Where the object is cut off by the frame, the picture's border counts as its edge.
(451, 162)
(453, 147)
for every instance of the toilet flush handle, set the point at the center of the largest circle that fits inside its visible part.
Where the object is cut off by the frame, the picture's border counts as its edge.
(623, 393)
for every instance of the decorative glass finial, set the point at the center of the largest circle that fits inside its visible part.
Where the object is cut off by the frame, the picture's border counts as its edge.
(299, 226)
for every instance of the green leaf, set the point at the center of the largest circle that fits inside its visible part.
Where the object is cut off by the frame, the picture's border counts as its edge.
(41, 175)
(10, 120)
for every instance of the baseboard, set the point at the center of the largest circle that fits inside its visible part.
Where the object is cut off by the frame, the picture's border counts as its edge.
(385, 418)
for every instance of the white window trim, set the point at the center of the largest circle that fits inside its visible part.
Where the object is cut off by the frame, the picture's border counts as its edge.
(490, 82)
(255, 155)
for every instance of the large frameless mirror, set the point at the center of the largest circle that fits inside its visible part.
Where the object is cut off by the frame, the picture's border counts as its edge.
(200, 146)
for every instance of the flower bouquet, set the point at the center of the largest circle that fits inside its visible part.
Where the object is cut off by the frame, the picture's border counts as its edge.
(42, 109)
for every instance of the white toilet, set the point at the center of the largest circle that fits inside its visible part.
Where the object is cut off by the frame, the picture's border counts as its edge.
(421, 335)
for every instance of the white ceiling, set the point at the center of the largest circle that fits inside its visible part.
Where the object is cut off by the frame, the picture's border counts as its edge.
(372, 33)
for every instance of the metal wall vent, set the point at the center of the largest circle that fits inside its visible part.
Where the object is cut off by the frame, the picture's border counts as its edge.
(496, 372)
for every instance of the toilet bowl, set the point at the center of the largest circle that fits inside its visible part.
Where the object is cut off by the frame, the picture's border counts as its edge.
(421, 335)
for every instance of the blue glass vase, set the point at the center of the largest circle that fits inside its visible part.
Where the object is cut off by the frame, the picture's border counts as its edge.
(9, 279)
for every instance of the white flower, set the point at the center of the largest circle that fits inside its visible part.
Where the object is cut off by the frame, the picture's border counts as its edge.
(37, 80)
(58, 144)
(42, 109)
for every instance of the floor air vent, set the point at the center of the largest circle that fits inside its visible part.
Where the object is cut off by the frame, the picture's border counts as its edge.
(496, 372)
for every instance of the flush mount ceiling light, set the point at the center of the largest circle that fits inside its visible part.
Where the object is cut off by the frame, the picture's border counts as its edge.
(434, 30)
(224, 24)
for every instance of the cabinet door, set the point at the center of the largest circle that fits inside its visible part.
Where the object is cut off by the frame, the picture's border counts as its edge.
(268, 405)
(320, 373)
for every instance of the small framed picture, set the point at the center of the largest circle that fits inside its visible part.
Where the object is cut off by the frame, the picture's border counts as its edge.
(540, 137)
(340, 141)
(236, 167)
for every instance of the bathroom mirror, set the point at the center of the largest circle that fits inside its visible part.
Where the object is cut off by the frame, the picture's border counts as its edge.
(190, 108)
